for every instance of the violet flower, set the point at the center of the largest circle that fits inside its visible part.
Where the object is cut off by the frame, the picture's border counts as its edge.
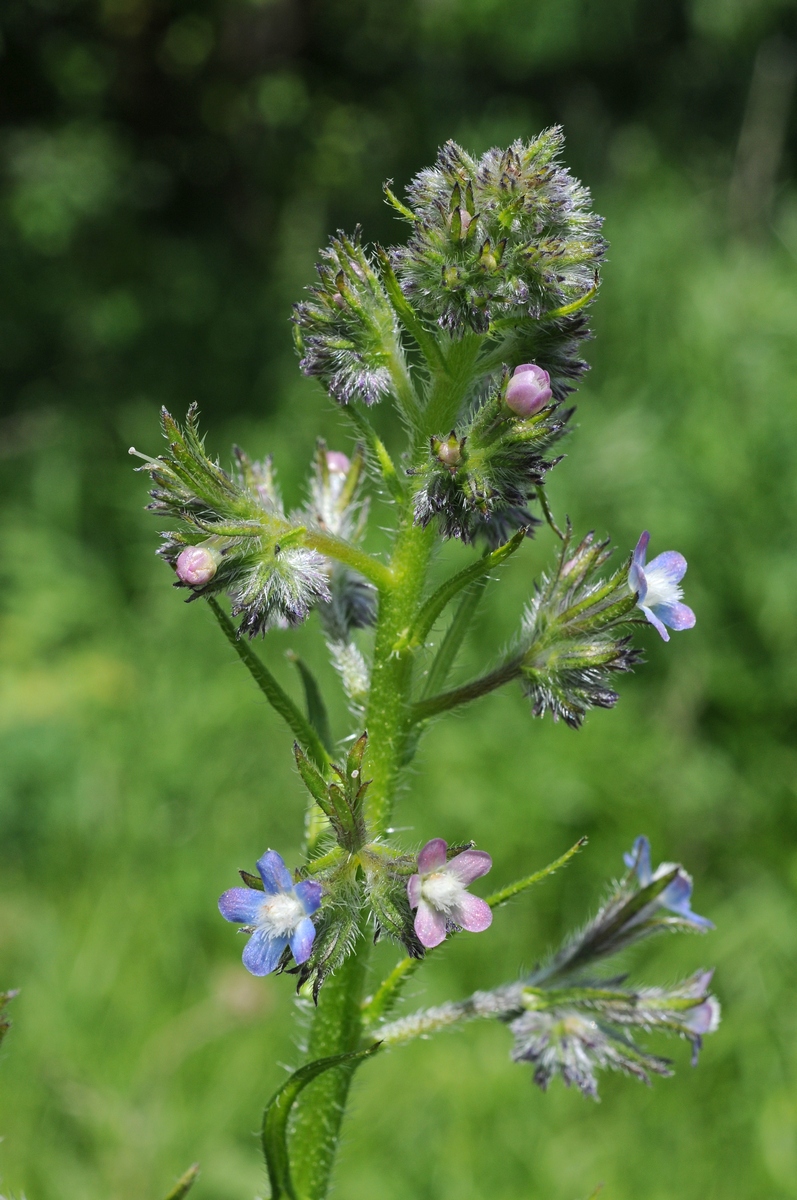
(438, 892)
(677, 895)
(277, 917)
(658, 590)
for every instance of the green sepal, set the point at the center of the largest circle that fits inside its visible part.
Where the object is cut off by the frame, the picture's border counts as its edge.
(252, 881)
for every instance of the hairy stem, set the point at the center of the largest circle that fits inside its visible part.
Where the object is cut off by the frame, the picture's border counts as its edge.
(444, 701)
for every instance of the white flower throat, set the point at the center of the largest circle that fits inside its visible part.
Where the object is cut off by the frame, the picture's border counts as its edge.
(442, 890)
(661, 589)
(280, 914)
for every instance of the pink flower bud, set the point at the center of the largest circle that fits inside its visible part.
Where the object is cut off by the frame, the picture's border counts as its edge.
(196, 565)
(338, 462)
(528, 390)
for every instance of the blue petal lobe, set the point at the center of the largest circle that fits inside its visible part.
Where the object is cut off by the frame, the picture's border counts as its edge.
(639, 860)
(677, 616)
(651, 617)
(676, 897)
(309, 893)
(262, 954)
(302, 940)
(275, 875)
(241, 904)
(637, 581)
(670, 566)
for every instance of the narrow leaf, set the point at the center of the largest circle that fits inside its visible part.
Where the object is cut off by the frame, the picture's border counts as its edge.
(278, 1110)
(447, 591)
(184, 1183)
(520, 885)
(277, 697)
(316, 708)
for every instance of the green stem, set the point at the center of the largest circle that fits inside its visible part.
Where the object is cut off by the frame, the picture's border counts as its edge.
(444, 701)
(277, 697)
(351, 556)
(337, 1023)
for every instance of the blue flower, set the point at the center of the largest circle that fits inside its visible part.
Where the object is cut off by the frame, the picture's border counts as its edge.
(658, 590)
(277, 917)
(677, 895)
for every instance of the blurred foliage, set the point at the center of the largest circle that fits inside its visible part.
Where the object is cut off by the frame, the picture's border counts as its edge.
(169, 171)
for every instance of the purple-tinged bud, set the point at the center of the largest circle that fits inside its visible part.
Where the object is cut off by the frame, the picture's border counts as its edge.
(337, 300)
(338, 462)
(196, 565)
(449, 452)
(528, 390)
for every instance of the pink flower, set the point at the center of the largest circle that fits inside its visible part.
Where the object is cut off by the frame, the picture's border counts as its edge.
(528, 390)
(438, 892)
(196, 565)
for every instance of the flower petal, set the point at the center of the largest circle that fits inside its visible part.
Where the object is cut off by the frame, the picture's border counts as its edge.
(670, 566)
(433, 856)
(262, 954)
(241, 905)
(703, 1018)
(430, 925)
(639, 860)
(651, 617)
(677, 616)
(275, 875)
(414, 890)
(309, 892)
(301, 940)
(677, 896)
(470, 865)
(637, 581)
(641, 549)
(472, 913)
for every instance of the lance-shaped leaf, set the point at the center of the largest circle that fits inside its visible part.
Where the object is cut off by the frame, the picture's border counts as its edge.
(274, 1135)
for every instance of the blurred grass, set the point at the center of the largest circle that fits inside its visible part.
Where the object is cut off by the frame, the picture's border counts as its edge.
(139, 769)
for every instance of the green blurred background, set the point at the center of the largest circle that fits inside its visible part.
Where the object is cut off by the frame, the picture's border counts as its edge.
(168, 171)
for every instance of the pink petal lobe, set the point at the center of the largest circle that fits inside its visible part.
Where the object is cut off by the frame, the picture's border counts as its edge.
(472, 914)
(470, 865)
(430, 925)
(433, 856)
(414, 890)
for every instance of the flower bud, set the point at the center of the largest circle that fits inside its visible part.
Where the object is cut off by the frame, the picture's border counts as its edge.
(196, 565)
(449, 452)
(528, 390)
(338, 462)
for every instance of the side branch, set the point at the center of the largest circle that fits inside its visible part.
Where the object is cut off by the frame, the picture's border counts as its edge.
(277, 697)
(444, 701)
(351, 556)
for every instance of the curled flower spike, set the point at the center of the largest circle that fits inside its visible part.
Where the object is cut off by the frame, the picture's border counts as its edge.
(528, 390)
(677, 895)
(278, 919)
(438, 892)
(658, 588)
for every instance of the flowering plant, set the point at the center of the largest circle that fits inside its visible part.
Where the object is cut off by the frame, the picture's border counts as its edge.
(473, 330)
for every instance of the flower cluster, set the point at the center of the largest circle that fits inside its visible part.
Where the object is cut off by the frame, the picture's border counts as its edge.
(572, 638)
(508, 238)
(347, 332)
(480, 479)
(566, 1020)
